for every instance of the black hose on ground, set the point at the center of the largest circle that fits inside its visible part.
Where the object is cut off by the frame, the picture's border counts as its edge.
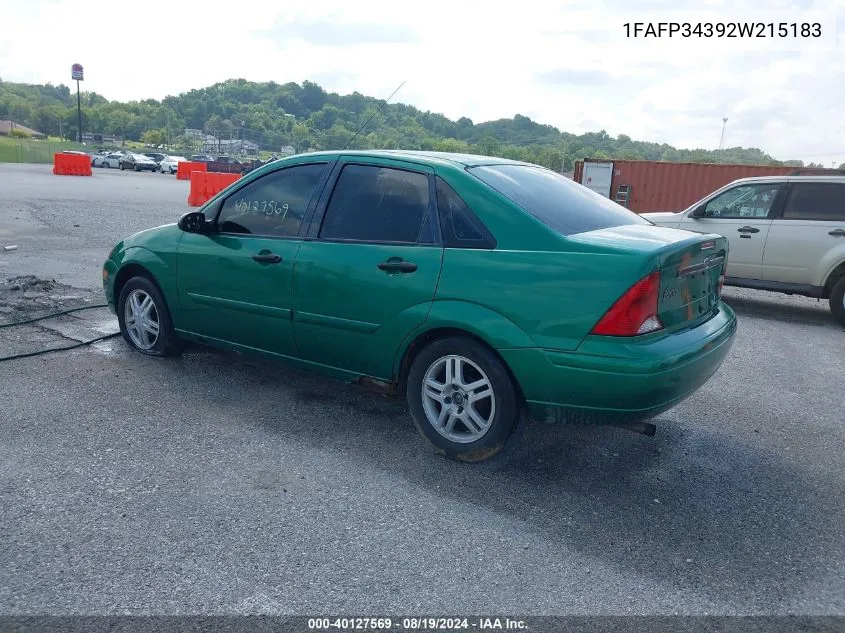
(56, 349)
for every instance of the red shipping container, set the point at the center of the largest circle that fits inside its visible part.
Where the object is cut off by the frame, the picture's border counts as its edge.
(664, 186)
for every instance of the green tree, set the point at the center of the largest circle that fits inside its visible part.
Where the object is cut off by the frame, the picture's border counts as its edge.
(257, 111)
(153, 137)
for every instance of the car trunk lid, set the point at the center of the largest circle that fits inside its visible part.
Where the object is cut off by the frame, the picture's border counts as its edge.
(691, 279)
(690, 266)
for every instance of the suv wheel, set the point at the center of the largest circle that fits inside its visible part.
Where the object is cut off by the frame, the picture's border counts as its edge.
(837, 301)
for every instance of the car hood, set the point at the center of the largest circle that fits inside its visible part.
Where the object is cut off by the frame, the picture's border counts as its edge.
(662, 217)
(156, 239)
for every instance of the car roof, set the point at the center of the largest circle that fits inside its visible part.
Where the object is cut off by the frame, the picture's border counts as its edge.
(798, 178)
(425, 157)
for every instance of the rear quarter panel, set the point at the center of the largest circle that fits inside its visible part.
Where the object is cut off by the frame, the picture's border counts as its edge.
(552, 298)
(832, 259)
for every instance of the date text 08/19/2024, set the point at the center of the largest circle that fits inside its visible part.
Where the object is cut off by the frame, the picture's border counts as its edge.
(416, 624)
(770, 30)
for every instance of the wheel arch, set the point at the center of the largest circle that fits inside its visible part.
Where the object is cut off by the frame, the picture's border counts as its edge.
(425, 338)
(127, 272)
(835, 275)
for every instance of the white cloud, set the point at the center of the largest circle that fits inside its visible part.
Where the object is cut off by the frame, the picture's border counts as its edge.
(553, 61)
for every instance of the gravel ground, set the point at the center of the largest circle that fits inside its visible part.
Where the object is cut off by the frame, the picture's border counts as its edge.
(216, 483)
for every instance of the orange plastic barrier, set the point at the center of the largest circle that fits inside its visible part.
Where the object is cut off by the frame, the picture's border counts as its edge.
(71, 164)
(184, 169)
(205, 185)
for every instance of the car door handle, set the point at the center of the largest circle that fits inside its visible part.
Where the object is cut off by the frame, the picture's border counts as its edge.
(748, 229)
(267, 258)
(397, 267)
(838, 233)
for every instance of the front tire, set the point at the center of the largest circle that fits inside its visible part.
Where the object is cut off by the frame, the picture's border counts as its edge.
(145, 319)
(462, 399)
(837, 301)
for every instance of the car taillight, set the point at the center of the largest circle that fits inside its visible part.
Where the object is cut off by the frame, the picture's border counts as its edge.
(635, 312)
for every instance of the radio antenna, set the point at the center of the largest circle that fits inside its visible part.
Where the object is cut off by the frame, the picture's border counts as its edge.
(384, 103)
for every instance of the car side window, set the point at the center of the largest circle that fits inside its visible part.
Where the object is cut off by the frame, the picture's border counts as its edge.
(819, 201)
(274, 205)
(461, 228)
(371, 203)
(745, 201)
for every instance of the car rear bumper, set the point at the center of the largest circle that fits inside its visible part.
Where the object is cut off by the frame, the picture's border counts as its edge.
(610, 381)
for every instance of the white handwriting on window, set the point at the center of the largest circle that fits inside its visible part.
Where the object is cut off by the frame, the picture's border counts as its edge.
(262, 207)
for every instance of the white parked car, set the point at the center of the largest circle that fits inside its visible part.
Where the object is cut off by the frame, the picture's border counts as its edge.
(170, 164)
(109, 160)
(786, 234)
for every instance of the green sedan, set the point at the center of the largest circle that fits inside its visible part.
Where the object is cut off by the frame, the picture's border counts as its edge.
(481, 288)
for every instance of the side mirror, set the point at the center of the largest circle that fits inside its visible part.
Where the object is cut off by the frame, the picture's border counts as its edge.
(698, 212)
(194, 222)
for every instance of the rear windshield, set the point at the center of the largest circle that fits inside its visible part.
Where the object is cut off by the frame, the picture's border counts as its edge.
(560, 203)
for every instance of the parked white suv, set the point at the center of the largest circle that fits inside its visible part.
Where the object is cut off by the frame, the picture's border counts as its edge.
(786, 234)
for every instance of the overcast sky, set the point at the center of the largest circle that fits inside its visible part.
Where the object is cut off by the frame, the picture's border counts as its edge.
(564, 63)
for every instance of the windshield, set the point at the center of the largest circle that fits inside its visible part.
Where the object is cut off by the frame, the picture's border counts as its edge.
(561, 204)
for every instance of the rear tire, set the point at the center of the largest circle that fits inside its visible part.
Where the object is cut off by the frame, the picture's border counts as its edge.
(837, 301)
(144, 319)
(462, 399)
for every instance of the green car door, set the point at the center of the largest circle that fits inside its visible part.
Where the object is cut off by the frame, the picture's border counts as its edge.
(366, 276)
(234, 283)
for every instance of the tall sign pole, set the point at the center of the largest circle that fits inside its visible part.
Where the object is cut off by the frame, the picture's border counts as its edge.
(77, 74)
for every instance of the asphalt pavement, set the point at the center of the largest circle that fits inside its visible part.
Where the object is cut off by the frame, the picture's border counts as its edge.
(217, 483)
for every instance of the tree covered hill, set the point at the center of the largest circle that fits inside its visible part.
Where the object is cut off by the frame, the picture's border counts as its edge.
(306, 116)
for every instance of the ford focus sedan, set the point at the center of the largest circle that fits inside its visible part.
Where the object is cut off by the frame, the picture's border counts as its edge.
(484, 290)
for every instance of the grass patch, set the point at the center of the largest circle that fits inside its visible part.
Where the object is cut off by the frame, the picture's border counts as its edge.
(16, 150)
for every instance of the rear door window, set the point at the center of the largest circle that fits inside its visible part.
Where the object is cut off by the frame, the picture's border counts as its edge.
(562, 204)
(818, 201)
(371, 203)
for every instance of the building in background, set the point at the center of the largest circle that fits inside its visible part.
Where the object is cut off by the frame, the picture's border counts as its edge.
(6, 128)
(102, 139)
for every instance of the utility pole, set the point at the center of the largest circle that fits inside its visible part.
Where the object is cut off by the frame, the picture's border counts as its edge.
(293, 131)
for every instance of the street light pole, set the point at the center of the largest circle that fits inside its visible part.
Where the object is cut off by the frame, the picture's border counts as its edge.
(722, 139)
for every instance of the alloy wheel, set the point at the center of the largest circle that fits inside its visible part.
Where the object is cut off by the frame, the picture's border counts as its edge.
(458, 399)
(141, 319)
